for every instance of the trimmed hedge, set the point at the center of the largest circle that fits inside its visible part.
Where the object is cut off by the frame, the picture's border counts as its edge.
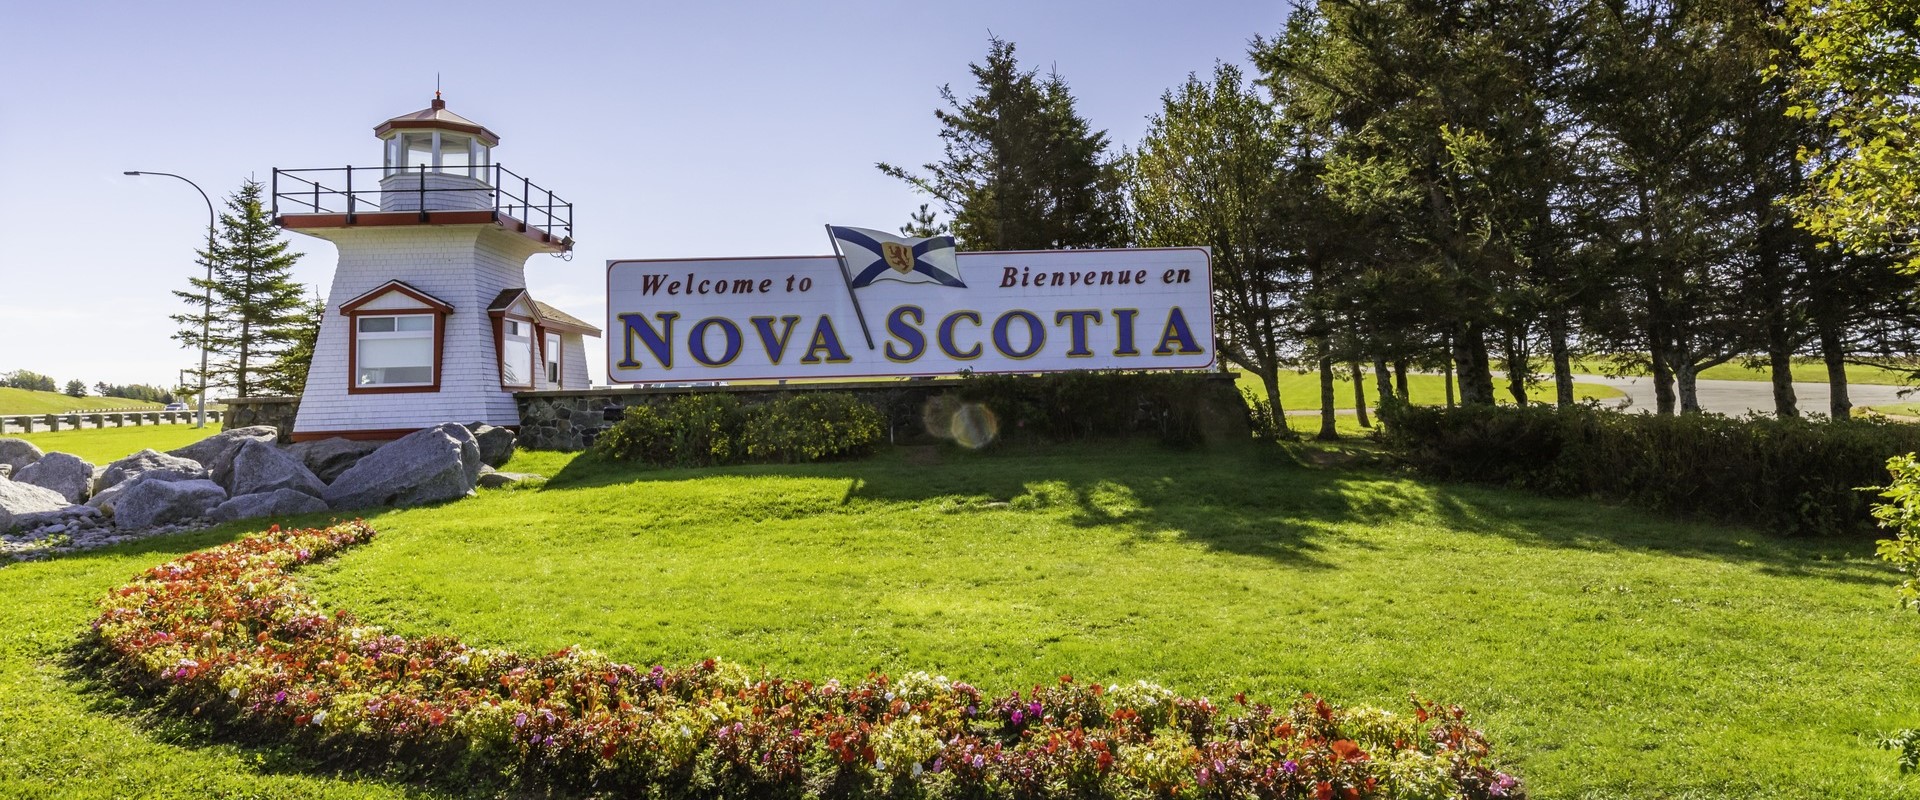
(1085, 404)
(706, 429)
(1790, 476)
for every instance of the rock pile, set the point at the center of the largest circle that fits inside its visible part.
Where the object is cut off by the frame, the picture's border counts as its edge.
(55, 502)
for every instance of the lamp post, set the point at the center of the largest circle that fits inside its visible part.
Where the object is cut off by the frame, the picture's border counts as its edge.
(206, 311)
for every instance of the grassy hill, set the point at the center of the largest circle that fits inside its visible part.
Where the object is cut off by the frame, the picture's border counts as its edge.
(1607, 653)
(25, 401)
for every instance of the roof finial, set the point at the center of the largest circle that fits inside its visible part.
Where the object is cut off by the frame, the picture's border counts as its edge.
(437, 102)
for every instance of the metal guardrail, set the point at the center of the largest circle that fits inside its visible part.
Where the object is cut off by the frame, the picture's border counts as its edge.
(35, 423)
(332, 190)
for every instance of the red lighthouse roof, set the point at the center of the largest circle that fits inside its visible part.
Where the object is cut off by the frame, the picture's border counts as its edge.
(437, 116)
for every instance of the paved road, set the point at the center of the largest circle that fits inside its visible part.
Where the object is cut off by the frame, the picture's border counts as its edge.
(1735, 398)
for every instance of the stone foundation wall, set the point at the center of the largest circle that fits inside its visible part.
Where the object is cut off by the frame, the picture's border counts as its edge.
(571, 420)
(276, 411)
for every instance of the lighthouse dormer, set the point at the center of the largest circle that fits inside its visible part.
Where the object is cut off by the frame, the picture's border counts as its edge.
(437, 160)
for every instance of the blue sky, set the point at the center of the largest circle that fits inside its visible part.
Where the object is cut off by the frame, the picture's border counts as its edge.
(677, 130)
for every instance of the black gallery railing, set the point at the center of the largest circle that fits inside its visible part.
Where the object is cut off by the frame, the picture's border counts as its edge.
(357, 190)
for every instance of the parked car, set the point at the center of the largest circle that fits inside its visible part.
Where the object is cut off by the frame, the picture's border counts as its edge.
(175, 407)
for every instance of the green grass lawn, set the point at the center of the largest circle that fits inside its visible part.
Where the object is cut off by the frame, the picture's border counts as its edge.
(1608, 653)
(1301, 391)
(1807, 370)
(25, 401)
(107, 444)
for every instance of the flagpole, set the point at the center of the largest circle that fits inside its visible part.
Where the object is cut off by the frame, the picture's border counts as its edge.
(847, 278)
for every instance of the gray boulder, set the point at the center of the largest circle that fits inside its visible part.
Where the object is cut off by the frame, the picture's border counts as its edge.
(67, 474)
(148, 503)
(496, 444)
(259, 467)
(426, 466)
(6, 520)
(19, 499)
(216, 451)
(60, 516)
(496, 480)
(327, 458)
(149, 463)
(6, 471)
(277, 503)
(17, 453)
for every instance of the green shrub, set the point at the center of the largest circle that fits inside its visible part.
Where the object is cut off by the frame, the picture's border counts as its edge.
(1790, 476)
(1900, 515)
(689, 431)
(706, 429)
(1085, 404)
(811, 427)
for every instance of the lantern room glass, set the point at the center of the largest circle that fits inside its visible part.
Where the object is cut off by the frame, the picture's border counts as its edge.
(437, 151)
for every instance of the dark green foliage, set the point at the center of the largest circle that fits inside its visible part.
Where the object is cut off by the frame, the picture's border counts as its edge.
(1787, 475)
(252, 309)
(288, 375)
(1022, 170)
(76, 388)
(707, 429)
(810, 427)
(29, 380)
(134, 391)
(1068, 406)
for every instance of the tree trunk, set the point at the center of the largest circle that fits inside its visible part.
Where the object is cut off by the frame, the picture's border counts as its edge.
(1662, 377)
(1446, 371)
(1686, 376)
(1328, 432)
(1360, 395)
(1518, 370)
(1271, 380)
(1562, 361)
(1383, 382)
(1780, 361)
(1836, 358)
(1400, 381)
(1470, 353)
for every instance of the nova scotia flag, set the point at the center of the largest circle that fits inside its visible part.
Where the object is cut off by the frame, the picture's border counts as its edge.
(874, 256)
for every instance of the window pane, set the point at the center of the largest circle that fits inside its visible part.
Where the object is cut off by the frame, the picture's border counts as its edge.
(399, 352)
(516, 357)
(376, 324)
(415, 322)
(553, 358)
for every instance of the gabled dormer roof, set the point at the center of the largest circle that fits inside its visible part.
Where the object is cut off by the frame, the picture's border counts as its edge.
(396, 296)
(546, 316)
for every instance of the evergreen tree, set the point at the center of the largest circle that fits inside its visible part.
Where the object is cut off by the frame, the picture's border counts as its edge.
(1022, 170)
(1214, 170)
(288, 375)
(255, 309)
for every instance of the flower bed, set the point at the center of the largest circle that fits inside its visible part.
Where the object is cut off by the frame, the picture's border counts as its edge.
(227, 630)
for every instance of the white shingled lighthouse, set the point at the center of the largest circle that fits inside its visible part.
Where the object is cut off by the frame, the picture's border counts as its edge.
(429, 319)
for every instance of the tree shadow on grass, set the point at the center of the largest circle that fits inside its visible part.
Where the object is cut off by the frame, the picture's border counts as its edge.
(1258, 501)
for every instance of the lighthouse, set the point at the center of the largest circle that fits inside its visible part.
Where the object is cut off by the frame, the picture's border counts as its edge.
(429, 319)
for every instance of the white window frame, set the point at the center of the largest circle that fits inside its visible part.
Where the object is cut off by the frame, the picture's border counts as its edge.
(430, 334)
(553, 346)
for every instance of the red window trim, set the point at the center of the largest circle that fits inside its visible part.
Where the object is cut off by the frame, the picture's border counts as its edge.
(353, 348)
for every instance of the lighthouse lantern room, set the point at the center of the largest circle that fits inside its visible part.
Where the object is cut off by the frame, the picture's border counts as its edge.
(428, 319)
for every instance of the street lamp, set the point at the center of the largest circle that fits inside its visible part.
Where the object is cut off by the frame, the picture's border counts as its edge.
(206, 311)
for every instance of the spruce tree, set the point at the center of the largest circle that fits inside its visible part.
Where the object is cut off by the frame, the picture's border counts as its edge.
(256, 306)
(1022, 169)
(288, 375)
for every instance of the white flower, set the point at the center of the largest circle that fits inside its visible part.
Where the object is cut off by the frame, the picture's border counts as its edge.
(234, 693)
(916, 770)
(319, 717)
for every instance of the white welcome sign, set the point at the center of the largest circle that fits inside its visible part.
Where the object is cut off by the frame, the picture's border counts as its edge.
(796, 317)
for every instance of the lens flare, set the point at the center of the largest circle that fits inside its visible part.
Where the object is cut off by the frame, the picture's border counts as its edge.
(974, 426)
